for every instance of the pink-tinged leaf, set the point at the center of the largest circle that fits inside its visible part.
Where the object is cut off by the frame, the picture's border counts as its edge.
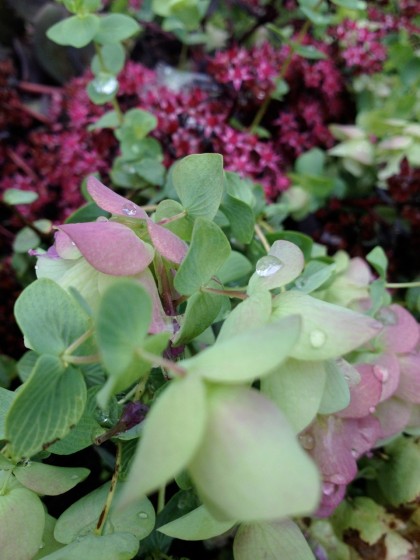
(359, 272)
(169, 245)
(110, 247)
(393, 415)
(160, 321)
(365, 395)
(65, 247)
(401, 332)
(332, 496)
(409, 387)
(387, 369)
(112, 202)
(364, 433)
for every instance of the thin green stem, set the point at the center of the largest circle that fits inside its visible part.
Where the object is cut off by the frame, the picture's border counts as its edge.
(229, 292)
(111, 493)
(92, 359)
(261, 236)
(403, 285)
(172, 218)
(78, 342)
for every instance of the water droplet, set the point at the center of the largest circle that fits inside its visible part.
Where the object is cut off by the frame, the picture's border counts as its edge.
(129, 209)
(300, 283)
(41, 546)
(27, 463)
(338, 479)
(36, 267)
(354, 453)
(74, 477)
(328, 488)
(73, 243)
(267, 266)
(142, 515)
(381, 373)
(317, 338)
(372, 409)
(387, 316)
(307, 441)
(105, 84)
(101, 219)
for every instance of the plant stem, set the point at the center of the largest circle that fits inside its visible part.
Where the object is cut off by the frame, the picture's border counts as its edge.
(403, 285)
(172, 218)
(162, 362)
(229, 292)
(74, 345)
(92, 359)
(104, 513)
(261, 236)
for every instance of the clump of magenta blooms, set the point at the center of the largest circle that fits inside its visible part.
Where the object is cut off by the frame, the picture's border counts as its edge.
(244, 387)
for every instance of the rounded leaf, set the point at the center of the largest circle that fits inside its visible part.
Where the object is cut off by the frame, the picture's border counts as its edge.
(48, 479)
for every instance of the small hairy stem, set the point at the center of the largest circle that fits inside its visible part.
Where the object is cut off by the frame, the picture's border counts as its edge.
(260, 234)
(104, 513)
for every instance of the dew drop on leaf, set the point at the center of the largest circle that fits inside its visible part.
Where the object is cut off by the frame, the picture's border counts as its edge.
(307, 441)
(101, 219)
(129, 209)
(387, 317)
(328, 488)
(142, 515)
(317, 338)
(105, 85)
(381, 373)
(267, 266)
(74, 477)
(338, 479)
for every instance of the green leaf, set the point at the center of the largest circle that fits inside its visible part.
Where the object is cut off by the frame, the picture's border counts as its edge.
(102, 88)
(240, 216)
(84, 432)
(297, 388)
(50, 318)
(122, 323)
(118, 546)
(308, 51)
(283, 263)
(208, 251)
(251, 313)
(197, 525)
(272, 540)
(249, 466)
(202, 309)
(336, 393)
(16, 196)
(46, 407)
(249, 355)
(198, 180)
(315, 17)
(365, 516)
(76, 31)
(173, 429)
(48, 544)
(329, 331)
(304, 242)
(398, 476)
(351, 4)
(20, 508)
(48, 479)
(26, 239)
(111, 59)
(236, 267)
(316, 273)
(182, 227)
(114, 28)
(81, 517)
(6, 399)
(378, 259)
(110, 119)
